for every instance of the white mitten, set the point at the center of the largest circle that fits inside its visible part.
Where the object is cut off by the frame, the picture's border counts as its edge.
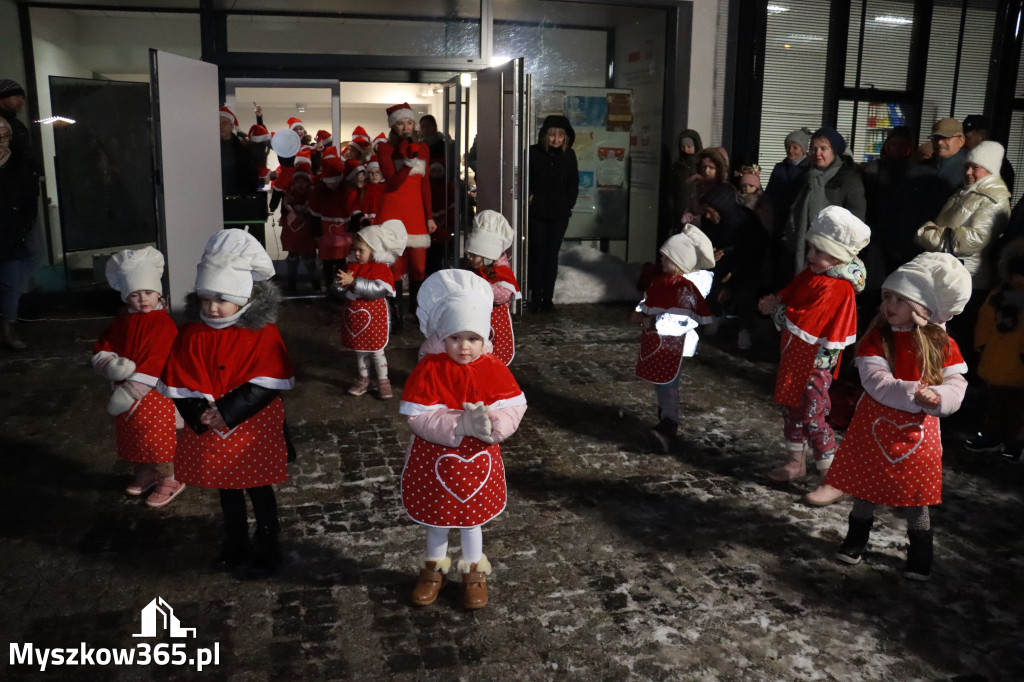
(475, 422)
(120, 400)
(120, 369)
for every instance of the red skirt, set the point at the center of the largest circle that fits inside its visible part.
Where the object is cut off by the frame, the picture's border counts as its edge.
(660, 357)
(252, 454)
(364, 325)
(146, 432)
(449, 487)
(297, 236)
(890, 457)
(335, 242)
(502, 338)
(795, 365)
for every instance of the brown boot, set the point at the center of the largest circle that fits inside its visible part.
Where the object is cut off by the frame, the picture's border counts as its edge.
(432, 578)
(474, 584)
(795, 466)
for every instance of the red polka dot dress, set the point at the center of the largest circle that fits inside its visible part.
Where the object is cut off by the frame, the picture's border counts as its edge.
(502, 338)
(331, 206)
(662, 344)
(820, 311)
(462, 486)
(209, 363)
(364, 322)
(146, 432)
(891, 456)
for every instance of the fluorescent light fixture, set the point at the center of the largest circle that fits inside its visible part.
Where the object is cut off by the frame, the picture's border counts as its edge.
(895, 21)
(499, 59)
(777, 9)
(803, 38)
(50, 120)
(466, 80)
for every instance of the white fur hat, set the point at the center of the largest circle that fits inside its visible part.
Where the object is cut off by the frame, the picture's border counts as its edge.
(988, 155)
(453, 301)
(937, 281)
(387, 240)
(690, 250)
(138, 270)
(491, 235)
(232, 260)
(838, 233)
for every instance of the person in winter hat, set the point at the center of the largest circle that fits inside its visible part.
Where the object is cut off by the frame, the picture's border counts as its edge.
(486, 254)
(913, 374)
(999, 337)
(366, 284)
(359, 147)
(403, 162)
(462, 402)
(669, 314)
(554, 187)
(817, 314)
(131, 354)
(225, 374)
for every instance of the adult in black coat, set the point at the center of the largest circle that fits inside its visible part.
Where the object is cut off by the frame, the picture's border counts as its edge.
(240, 164)
(554, 186)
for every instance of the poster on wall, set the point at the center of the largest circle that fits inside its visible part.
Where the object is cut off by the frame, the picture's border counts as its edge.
(602, 119)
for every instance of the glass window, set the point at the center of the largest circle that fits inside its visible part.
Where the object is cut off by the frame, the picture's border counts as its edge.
(886, 51)
(974, 61)
(794, 73)
(1015, 154)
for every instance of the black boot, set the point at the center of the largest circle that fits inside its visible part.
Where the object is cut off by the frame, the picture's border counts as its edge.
(266, 555)
(233, 552)
(919, 555)
(665, 433)
(852, 549)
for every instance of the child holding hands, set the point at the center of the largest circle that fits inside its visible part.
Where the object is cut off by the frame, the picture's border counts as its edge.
(912, 373)
(817, 314)
(225, 374)
(131, 354)
(462, 402)
(366, 283)
(486, 249)
(669, 314)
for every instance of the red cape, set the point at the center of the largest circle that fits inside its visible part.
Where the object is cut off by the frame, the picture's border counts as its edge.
(904, 354)
(438, 381)
(678, 296)
(821, 310)
(143, 338)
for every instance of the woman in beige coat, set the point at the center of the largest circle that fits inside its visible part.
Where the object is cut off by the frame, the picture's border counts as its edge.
(972, 219)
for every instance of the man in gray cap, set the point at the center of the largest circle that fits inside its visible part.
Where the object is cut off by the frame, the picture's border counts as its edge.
(925, 189)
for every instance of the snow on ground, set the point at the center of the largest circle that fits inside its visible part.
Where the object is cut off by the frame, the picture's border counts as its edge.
(585, 275)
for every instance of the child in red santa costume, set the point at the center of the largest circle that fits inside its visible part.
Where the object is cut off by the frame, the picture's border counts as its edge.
(297, 231)
(461, 402)
(131, 354)
(486, 249)
(669, 314)
(329, 208)
(913, 374)
(366, 284)
(225, 374)
(403, 163)
(361, 196)
(817, 314)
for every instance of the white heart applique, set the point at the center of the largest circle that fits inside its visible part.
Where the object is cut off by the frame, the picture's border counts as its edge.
(462, 477)
(657, 347)
(357, 321)
(897, 441)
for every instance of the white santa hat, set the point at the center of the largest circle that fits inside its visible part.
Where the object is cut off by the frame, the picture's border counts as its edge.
(491, 235)
(988, 155)
(838, 233)
(232, 260)
(387, 240)
(690, 250)
(139, 270)
(938, 282)
(452, 301)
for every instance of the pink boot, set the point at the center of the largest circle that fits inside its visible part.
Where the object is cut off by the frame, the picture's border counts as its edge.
(795, 466)
(824, 494)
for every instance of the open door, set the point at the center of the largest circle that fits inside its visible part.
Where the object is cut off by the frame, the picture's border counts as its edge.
(186, 146)
(501, 151)
(451, 208)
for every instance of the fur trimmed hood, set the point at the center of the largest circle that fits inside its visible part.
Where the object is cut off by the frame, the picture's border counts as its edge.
(266, 298)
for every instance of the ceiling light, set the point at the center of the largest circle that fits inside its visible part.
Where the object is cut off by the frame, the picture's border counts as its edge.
(50, 120)
(777, 9)
(896, 21)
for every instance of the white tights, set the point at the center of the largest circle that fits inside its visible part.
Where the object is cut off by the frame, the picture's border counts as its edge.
(380, 363)
(472, 543)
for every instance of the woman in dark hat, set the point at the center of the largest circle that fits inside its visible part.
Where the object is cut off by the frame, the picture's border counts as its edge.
(554, 186)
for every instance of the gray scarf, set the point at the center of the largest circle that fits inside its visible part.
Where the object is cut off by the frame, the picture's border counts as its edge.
(806, 207)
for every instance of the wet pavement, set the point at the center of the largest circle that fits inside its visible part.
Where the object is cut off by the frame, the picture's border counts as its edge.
(611, 562)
